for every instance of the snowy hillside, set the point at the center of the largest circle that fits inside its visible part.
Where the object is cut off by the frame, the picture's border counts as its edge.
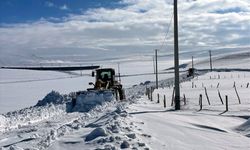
(236, 60)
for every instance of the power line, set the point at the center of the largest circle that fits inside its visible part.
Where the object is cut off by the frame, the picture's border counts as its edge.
(168, 30)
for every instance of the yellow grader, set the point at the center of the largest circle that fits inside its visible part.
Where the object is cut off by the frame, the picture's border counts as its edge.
(106, 80)
(106, 87)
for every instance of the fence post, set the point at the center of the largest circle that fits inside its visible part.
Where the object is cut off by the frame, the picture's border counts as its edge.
(237, 94)
(184, 98)
(226, 103)
(151, 93)
(158, 98)
(164, 101)
(148, 93)
(220, 97)
(172, 103)
(200, 102)
(218, 85)
(207, 96)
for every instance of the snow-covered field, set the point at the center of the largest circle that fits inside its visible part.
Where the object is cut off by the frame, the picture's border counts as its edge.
(236, 59)
(215, 83)
(23, 88)
(136, 123)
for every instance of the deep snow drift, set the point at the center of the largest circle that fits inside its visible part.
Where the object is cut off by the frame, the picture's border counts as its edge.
(51, 118)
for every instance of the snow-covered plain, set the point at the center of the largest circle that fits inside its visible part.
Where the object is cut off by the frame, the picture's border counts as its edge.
(23, 88)
(136, 123)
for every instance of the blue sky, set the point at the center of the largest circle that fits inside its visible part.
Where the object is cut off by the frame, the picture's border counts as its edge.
(17, 11)
(83, 30)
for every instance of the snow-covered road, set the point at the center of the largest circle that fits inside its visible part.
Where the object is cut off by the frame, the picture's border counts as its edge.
(187, 129)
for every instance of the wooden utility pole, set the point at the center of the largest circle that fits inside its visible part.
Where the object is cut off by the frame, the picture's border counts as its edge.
(154, 64)
(192, 62)
(156, 70)
(176, 58)
(119, 74)
(210, 56)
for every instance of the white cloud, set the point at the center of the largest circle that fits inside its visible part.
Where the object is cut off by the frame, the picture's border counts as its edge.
(49, 4)
(137, 28)
(64, 7)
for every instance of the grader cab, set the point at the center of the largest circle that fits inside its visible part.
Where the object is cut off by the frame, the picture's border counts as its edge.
(106, 80)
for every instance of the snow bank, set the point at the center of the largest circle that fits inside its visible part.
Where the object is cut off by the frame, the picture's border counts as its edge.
(89, 99)
(24, 117)
(2, 122)
(114, 130)
(52, 105)
(51, 98)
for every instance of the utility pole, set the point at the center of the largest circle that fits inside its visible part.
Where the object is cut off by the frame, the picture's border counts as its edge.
(119, 74)
(193, 66)
(156, 69)
(192, 62)
(176, 58)
(210, 55)
(154, 64)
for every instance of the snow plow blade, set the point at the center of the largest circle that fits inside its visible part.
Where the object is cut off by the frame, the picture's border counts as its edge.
(84, 101)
